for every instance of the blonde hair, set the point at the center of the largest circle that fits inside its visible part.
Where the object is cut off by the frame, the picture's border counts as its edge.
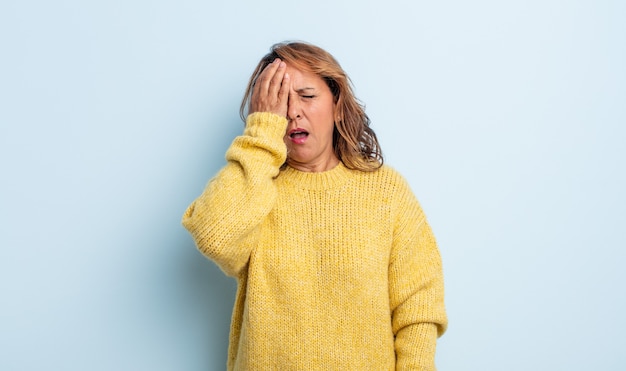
(354, 142)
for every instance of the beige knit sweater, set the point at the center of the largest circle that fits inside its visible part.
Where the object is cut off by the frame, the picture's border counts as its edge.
(337, 270)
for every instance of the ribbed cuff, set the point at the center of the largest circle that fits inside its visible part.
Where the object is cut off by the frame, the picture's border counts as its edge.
(266, 124)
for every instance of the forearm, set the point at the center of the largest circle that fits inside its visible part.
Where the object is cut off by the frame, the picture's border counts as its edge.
(418, 309)
(223, 219)
(415, 347)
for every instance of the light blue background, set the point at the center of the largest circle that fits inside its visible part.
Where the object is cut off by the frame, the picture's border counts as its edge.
(507, 118)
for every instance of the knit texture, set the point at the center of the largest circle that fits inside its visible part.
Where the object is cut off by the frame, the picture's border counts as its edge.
(337, 270)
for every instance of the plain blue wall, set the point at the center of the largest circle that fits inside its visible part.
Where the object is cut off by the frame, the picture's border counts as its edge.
(507, 117)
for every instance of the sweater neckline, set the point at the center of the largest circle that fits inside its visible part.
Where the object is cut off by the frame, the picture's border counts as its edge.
(328, 179)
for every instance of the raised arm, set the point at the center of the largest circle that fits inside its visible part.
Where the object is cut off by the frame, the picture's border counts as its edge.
(224, 220)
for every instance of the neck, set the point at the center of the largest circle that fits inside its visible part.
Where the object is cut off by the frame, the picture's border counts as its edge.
(315, 167)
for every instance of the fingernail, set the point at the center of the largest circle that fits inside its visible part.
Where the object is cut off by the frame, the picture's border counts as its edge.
(282, 65)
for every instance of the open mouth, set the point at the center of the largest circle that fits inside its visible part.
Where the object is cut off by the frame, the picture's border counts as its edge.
(298, 136)
(295, 134)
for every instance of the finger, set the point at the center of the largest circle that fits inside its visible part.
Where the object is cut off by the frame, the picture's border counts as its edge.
(265, 78)
(283, 93)
(277, 79)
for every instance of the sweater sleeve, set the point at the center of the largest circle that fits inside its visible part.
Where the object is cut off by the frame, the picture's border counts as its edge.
(224, 219)
(416, 287)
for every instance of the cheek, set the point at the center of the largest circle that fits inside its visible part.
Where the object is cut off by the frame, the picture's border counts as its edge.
(325, 115)
(325, 122)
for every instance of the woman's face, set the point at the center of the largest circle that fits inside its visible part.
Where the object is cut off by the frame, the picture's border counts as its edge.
(311, 115)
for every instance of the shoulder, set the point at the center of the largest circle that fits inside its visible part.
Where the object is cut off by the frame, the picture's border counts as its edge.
(385, 182)
(391, 173)
(383, 176)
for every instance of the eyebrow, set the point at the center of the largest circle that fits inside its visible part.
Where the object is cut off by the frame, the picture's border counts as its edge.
(304, 89)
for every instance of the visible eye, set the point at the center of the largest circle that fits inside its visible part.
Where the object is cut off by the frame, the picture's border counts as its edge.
(308, 96)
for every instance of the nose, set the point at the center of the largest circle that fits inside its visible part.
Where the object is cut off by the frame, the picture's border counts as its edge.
(293, 107)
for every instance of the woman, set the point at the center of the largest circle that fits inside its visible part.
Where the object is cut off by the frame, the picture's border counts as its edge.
(336, 265)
